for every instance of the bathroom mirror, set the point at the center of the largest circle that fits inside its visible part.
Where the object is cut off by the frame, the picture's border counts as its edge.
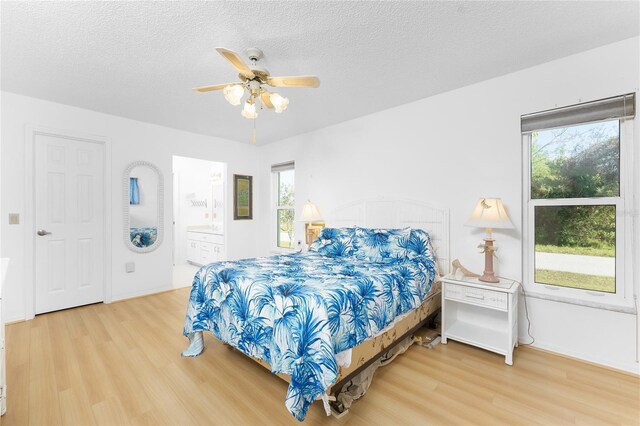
(143, 207)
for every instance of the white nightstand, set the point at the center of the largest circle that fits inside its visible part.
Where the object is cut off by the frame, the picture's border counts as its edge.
(481, 314)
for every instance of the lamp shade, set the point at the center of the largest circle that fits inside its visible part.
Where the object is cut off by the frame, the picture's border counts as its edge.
(310, 213)
(489, 213)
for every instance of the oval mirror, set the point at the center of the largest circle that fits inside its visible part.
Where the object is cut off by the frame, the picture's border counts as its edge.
(143, 207)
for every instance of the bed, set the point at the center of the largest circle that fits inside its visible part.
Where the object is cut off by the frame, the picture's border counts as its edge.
(318, 318)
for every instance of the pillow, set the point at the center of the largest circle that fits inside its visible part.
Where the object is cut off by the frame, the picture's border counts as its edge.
(380, 245)
(419, 244)
(334, 242)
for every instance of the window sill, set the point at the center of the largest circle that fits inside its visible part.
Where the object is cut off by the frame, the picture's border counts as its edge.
(625, 309)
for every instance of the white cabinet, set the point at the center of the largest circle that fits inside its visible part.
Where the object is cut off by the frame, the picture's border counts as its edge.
(481, 314)
(203, 248)
(193, 250)
(208, 253)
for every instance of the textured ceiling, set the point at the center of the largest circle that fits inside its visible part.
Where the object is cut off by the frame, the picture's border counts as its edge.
(139, 60)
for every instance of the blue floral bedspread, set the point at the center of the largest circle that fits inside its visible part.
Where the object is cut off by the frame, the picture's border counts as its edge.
(298, 311)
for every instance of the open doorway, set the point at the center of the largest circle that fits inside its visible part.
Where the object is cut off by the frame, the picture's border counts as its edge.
(198, 216)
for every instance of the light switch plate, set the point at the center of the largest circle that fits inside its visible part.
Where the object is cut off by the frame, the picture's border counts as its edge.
(130, 267)
(14, 218)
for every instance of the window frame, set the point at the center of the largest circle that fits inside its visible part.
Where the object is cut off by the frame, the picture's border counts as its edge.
(275, 198)
(623, 296)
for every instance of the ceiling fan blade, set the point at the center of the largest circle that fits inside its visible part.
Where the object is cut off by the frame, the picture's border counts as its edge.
(299, 81)
(265, 99)
(236, 61)
(212, 88)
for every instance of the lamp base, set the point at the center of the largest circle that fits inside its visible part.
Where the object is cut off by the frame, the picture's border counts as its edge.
(488, 276)
(312, 231)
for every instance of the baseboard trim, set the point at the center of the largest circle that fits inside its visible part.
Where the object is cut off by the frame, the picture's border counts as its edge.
(621, 370)
(157, 290)
(145, 293)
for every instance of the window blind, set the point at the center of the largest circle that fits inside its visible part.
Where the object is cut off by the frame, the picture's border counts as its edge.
(281, 167)
(617, 107)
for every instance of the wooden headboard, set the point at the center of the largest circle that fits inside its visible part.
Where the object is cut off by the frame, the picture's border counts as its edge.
(398, 213)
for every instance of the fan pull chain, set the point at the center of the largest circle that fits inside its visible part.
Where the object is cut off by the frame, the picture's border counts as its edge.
(256, 99)
(254, 131)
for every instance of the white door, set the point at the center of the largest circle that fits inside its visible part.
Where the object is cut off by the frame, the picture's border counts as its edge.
(69, 219)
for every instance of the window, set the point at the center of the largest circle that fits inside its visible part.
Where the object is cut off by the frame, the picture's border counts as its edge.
(284, 201)
(574, 210)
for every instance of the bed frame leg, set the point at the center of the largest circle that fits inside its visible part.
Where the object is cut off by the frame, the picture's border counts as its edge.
(337, 415)
(196, 344)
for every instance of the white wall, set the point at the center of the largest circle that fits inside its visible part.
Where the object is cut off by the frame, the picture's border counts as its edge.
(130, 140)
(453, 148)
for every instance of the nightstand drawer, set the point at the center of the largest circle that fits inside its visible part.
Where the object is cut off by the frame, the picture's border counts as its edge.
(476, 296)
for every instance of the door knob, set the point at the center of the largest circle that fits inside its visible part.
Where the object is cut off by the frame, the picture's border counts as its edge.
(42, 233)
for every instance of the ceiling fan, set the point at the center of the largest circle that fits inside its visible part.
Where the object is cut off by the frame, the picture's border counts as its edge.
(252, 81)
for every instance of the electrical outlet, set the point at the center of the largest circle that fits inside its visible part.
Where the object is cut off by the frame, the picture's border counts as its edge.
(130, 267)
(14, 218)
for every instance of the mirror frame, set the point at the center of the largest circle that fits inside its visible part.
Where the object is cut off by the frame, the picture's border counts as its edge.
(126, 213)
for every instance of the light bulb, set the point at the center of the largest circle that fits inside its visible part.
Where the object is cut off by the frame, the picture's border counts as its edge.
(279, 103)
(233, 94)
(249, 110)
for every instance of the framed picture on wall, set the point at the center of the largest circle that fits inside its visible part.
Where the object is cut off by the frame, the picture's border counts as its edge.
(242, 197)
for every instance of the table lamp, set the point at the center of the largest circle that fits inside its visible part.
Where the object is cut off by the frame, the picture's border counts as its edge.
(311, 214)
(489, 214)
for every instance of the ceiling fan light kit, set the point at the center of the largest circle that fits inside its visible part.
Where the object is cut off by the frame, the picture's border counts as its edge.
(233, 94)
(249, 110)
(252, 79)
(279, 103)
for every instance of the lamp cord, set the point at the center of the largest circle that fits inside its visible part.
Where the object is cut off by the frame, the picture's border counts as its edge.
(526, 312)
(635, 302)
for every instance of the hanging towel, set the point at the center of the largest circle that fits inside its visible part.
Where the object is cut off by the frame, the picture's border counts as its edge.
(134, 191)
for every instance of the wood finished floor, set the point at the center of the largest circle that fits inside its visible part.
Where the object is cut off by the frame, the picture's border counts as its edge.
(120, 364)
